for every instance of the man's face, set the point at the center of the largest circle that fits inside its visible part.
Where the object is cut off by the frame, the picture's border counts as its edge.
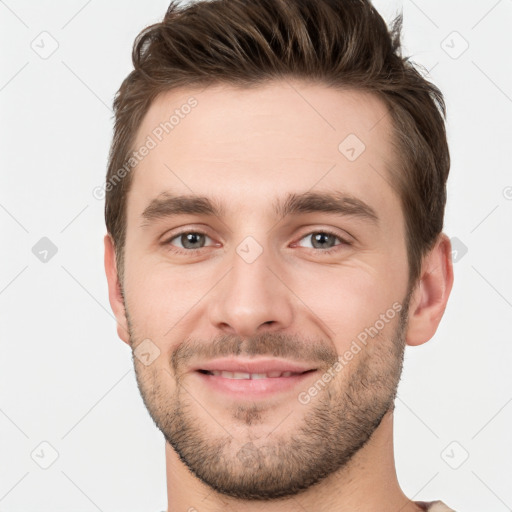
(268, 284)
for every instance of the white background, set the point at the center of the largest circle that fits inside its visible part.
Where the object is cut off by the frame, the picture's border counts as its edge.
(65, 377)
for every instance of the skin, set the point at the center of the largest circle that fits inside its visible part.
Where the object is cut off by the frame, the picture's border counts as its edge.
(248, 148)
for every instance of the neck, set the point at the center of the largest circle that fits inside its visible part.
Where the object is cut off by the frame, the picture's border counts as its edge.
(368, 483)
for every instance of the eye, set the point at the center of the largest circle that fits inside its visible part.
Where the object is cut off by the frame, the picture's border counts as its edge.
(325, 241)
(191, 241)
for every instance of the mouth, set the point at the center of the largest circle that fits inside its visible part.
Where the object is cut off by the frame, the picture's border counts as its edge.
(253, 379)
(252, 376)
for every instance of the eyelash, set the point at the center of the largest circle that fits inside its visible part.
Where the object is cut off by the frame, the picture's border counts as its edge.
(179, 250)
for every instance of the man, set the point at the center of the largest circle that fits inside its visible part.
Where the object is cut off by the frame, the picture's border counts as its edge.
(275, 201)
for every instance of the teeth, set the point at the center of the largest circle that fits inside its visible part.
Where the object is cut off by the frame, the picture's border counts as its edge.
(245, 375)
(240, 375)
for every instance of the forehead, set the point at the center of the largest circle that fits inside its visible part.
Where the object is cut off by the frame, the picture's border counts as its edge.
(250, 144)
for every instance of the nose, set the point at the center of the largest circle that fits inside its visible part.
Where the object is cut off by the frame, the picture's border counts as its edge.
(252, 297)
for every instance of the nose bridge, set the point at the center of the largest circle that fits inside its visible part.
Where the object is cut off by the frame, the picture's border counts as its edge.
(251, 296)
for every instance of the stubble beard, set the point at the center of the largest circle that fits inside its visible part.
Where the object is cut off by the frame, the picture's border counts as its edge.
(319, 438)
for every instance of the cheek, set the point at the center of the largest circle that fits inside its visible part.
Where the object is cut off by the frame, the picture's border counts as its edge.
(167, 303)
(348, 299)
(159, 296)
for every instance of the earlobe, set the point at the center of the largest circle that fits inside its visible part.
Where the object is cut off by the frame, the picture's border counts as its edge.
(429, 299)
(114, 290)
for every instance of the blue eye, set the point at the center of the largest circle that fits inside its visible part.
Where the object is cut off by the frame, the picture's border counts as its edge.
(320, 238)
(189, 240)
(193, 241)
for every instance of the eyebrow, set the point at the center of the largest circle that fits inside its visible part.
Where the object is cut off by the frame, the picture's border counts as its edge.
(169, 205)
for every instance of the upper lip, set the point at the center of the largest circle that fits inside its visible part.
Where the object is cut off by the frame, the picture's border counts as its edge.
(237, 364)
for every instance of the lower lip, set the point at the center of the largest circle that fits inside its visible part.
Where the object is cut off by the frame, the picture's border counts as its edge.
(253, 388)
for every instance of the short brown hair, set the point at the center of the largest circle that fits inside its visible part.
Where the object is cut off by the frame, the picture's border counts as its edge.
(339, 43)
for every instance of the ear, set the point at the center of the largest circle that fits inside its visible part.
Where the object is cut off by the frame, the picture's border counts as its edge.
(115, 296)
(431, 293)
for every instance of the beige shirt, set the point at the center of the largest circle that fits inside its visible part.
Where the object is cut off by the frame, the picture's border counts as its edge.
(434, 506)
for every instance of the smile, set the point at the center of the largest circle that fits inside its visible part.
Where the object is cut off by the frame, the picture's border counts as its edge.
(245, 375)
